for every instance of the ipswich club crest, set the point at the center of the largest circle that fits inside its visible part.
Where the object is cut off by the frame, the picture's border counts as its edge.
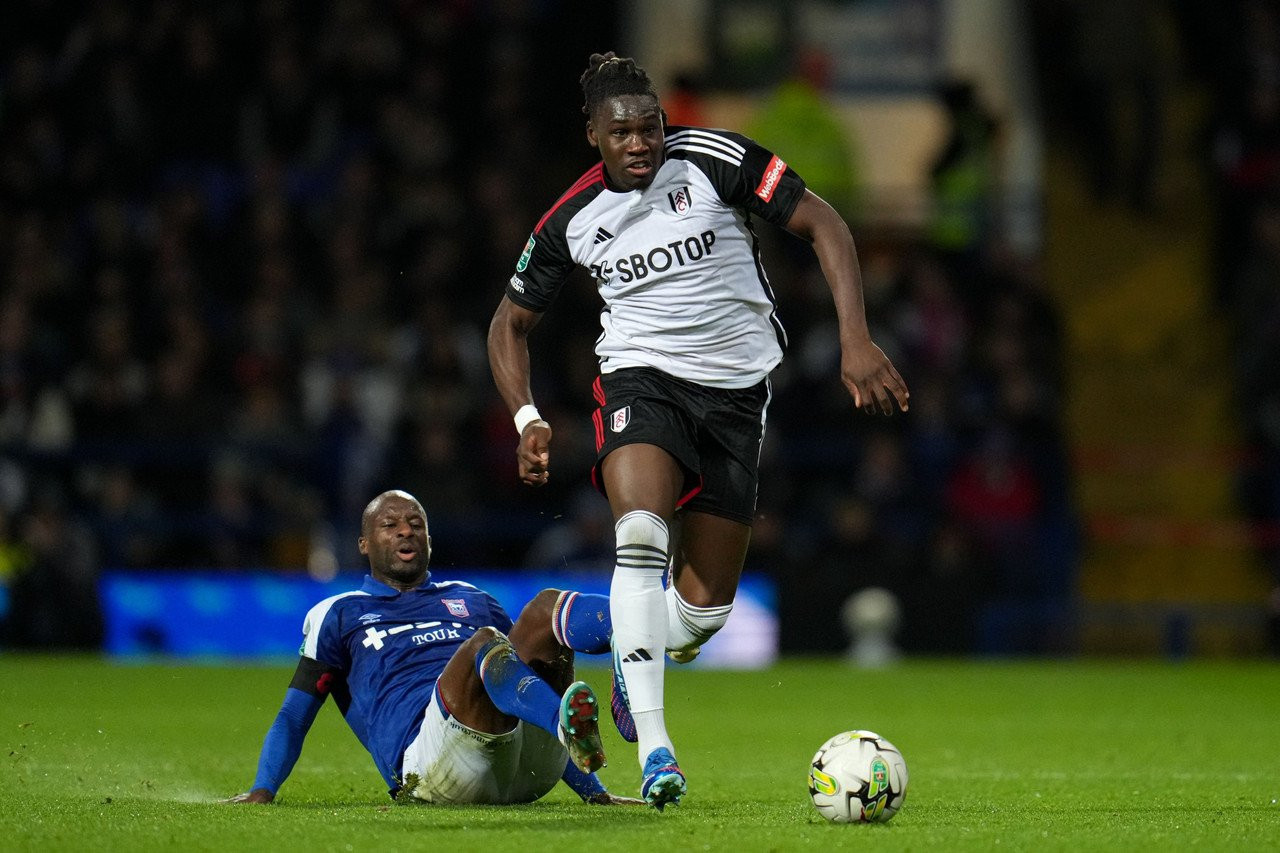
(456, 606)
(619, 420)
(680, 200)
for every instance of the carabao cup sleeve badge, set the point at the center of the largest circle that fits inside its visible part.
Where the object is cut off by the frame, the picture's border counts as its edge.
(524, 257)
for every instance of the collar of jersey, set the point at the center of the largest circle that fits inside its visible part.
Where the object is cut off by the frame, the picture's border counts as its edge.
(377, 587)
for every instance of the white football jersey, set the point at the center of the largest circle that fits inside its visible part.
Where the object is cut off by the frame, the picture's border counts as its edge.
(677, 263)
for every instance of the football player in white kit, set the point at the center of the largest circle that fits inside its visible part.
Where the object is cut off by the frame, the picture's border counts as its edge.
(665, 224)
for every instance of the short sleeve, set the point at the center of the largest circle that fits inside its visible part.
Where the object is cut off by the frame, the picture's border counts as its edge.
(547, 260)
(501, 620)
(322, 636)
(745, 174)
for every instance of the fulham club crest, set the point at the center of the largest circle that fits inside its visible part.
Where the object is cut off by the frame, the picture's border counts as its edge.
(619, 420)
(457, 607)
(680, 200)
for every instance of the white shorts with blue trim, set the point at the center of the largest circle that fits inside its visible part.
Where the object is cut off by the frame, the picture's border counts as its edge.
(457, 764)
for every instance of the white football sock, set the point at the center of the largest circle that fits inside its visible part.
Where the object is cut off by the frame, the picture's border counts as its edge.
(638, 610)
(689, 627)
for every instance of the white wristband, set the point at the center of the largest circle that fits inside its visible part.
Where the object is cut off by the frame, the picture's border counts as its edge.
(527, 414)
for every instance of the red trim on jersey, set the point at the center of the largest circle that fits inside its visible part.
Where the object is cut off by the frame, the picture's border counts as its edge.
(592, 176)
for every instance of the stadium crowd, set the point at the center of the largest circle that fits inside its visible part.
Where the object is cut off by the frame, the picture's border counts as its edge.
(248, 253)
(1244, 156)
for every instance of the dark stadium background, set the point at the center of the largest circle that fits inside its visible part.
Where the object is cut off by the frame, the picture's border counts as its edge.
(249, 250)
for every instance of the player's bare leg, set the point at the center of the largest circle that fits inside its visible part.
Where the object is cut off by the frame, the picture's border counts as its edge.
(707, 569)
(542, 635)
(643, 483)
(536, 644)
(463, 690)
(510, 689)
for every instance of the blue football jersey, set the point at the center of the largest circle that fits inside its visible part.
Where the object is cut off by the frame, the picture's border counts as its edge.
(392, 646)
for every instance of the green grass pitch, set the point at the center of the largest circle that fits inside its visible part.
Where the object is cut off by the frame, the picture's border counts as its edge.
(1054, 755)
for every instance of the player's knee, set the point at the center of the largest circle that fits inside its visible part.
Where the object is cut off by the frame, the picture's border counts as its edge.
(484, 638)
(643, 528)
(706, 621)
(702, 597)
(533, 627)
(538, 610)
(691, 624)
(485, 645)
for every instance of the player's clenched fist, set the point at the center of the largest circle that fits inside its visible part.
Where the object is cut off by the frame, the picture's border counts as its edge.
(533, 453)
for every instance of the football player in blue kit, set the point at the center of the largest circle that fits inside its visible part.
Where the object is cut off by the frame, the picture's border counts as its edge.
(455, 703)
(665, 223)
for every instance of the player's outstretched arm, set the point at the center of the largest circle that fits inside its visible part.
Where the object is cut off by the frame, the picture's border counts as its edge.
(509, 361)
(866, 371)
(283, 743)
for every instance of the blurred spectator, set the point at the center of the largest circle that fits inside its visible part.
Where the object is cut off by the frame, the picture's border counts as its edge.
(283, 119)
(108, 385)
(994, 493)
(797, 118)
(15, 558)
(1256, 328)
(931, 321)
(683, 102)
(179, 408)
(19, 364)
(946, 596)
(236, 530)
(1244, 126)
(581, 540)
(1239, 45)
(54, 596)
(1119, 63)
(962, 180)
(125, 519)
(842, 554)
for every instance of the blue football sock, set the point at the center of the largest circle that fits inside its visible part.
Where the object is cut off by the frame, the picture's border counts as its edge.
(581, 621)
(584, 784)
(515, 688)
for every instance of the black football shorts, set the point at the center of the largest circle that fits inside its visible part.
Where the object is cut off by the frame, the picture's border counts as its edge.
(714, 433)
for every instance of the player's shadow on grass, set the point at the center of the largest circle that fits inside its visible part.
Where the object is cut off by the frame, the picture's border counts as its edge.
(530, 815)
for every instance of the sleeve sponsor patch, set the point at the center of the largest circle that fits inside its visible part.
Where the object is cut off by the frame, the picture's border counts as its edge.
(768, 183)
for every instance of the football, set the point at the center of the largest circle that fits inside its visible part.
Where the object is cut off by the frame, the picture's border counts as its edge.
(858, 777)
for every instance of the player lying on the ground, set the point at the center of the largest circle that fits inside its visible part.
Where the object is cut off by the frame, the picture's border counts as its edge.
(455, 703)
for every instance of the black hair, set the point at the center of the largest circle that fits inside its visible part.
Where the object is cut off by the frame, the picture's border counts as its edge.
(608, 76)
